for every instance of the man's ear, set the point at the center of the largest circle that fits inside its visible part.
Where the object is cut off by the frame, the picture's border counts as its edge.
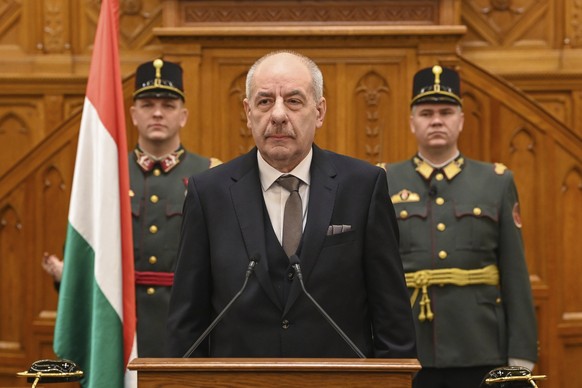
(321, 108)
(411, 125)
(132, 114)
(247, 109)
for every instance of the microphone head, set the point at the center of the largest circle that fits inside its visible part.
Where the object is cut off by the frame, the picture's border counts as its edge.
(294, 260)
(256, 258)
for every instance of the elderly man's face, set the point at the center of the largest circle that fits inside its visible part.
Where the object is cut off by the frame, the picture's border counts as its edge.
(282, 112)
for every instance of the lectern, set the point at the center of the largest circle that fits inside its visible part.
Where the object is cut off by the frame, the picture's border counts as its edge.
(274, 372)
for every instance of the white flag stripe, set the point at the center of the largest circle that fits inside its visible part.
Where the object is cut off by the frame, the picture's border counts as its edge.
(94, 212)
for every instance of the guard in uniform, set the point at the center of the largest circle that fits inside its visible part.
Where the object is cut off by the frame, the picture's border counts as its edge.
(158, 186)
(461, 246)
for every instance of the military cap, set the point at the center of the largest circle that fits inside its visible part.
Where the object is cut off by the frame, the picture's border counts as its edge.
(510, 377)
(434, 85)
(158, 79)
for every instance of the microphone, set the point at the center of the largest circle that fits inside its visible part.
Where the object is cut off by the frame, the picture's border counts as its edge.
(252, 264)
(432, 191)
(294, 260)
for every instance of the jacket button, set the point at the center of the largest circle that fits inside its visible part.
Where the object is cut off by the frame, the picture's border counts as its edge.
(153, 260)
(154, 199)
(285, 324)
(439, 201)
(439, 177)
(153, 229)
(290, 275)
(403, 214)
(157, 172)
(441, 227)
(151, 291)
(477, 211)
(443, 255)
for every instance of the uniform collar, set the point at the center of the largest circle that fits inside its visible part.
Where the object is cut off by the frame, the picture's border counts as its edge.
(167, 162)
(450, 170)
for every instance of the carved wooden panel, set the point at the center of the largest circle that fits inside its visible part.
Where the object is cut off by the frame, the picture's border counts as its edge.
(571, 211)
(137, 19)
(20, 126)
(507, 23)
(558, 104)
(54, 189)
(474, 140)
(10, 17)
(195, 12)
(572, 25)
(56, 27)
(568, 191)
(13, 287)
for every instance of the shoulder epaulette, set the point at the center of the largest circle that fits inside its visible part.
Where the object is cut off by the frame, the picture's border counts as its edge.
(499, 168)
(215, 162)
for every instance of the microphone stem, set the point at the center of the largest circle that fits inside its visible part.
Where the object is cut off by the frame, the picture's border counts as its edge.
(327, 317)
(219, 316)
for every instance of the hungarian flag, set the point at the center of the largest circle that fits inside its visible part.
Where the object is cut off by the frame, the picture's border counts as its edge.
(95, 325)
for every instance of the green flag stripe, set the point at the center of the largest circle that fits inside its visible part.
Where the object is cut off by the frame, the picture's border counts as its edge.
(88, 328)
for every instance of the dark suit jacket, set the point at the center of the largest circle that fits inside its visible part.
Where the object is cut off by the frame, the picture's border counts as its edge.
(356, 276)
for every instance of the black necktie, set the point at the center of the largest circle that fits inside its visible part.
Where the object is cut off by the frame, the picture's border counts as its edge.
(293, 217)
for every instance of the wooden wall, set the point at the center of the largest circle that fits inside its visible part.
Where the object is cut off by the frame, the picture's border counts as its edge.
(368, 51)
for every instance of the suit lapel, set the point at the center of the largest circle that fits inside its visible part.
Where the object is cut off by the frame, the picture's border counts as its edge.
(247, 199)
(322, 193)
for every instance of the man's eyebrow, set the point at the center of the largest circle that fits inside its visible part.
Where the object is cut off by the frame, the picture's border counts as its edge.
(295, 92)
(264, 94)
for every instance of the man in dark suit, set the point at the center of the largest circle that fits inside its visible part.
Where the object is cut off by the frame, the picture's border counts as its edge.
(348, 250)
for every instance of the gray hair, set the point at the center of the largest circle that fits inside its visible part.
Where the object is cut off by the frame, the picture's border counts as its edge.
(316, 76)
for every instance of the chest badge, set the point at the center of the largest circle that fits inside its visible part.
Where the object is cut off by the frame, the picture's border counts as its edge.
(405, 196)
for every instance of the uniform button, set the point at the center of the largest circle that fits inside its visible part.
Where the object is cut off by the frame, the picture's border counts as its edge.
(290, 275)
(403, 214)
(153, 260)
(443, 255)
(131, 194)
(285, 324)
(440, 201)
(498, 300)
(154, 199)
(151, 291)
(441, 227)
(153, 229)
(157, 172)
(439, 177)
(477, 211)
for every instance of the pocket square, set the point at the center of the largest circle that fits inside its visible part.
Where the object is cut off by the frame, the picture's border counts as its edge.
(332, 230)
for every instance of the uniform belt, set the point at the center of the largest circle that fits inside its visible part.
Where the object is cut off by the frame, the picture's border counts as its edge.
(421, 280)
(150, 278)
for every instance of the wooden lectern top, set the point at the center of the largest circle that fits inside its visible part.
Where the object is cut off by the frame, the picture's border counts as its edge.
(274, 372)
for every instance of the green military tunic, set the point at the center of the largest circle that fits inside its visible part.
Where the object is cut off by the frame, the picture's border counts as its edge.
(157, 194)
(463, 221)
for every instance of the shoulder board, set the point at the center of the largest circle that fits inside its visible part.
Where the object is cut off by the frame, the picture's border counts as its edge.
(215, 162)
(499, 168)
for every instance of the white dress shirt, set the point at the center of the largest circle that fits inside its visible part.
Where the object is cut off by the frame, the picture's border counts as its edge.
(275, 196)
